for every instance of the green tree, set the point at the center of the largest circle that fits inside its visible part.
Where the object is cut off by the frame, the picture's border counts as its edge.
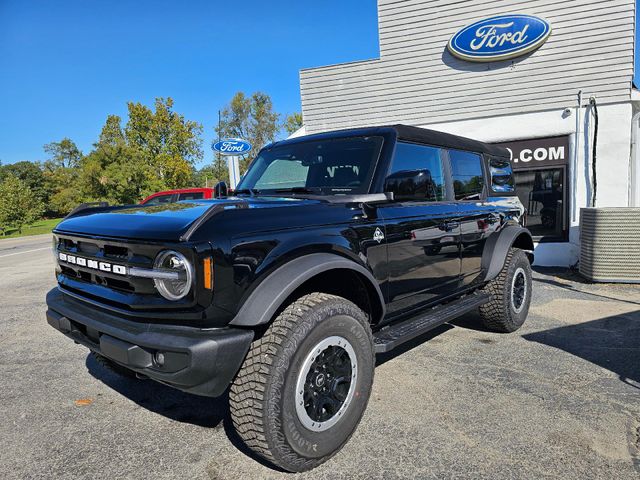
(111, 133)
(208, 176)
(292, 123)
(251, 118)
(31, 173)
(170, 143)
(117, 174)
(64, 153)
(18, 205)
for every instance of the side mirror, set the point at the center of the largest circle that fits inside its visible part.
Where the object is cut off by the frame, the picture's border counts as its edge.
(411, 185)
(220, 190)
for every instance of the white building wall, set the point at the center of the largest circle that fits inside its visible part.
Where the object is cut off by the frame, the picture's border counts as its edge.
(416, 81)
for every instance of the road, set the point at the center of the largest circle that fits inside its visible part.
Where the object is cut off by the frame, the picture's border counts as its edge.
(558, 399)
(12, 247)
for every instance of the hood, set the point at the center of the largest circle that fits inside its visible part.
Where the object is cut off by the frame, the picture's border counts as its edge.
(166, 222)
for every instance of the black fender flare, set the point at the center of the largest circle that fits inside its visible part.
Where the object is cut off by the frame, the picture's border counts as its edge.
(497, 246)
(265, 300)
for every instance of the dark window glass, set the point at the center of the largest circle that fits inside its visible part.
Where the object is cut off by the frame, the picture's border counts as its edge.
(191, 196)
(466, 169)
(501, 175)
(343, 165)
(160, 199)
(416, 171)
(542, 194)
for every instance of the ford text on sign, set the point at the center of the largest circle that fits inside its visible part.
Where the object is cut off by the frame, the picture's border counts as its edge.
(232, 146)
(499, 38)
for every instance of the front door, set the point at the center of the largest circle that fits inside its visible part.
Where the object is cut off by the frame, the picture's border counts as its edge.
(422, 231)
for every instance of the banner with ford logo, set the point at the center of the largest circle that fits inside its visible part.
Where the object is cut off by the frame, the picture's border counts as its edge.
(499, 38)
(232, 146)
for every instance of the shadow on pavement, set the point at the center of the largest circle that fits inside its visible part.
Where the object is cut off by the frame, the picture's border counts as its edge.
(583, 292)
(382, 358)
(612, 343)
(164, 400)
(176, 405)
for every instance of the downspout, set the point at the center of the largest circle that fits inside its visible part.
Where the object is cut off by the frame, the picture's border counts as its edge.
(576, 153)
(594, 106)
(634, 163)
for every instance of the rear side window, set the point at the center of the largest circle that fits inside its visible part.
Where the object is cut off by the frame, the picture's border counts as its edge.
(466, 170)
(191, 196)
(416, 173)
(501, 175)
(160, 199)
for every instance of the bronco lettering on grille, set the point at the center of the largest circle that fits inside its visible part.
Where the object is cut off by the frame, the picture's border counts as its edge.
(93, 264)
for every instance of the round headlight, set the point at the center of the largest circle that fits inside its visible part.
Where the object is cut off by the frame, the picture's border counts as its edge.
(169, 262)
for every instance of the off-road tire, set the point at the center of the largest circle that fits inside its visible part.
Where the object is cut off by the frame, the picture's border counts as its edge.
(499, 313)
(112, 366)
(262, 397)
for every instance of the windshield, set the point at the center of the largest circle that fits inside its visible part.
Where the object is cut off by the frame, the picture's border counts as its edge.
(342, 165)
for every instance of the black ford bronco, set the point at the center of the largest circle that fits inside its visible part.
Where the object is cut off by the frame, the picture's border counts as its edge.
(334, 247)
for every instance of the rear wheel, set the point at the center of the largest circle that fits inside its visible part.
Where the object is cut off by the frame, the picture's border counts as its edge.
(305, 383)
(510, 294)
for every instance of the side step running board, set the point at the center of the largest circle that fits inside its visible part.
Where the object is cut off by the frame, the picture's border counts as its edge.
(398, 333)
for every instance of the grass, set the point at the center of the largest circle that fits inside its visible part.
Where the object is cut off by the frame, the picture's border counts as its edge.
(37, 228)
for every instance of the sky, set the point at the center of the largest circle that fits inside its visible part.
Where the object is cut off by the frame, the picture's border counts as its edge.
(66, 65)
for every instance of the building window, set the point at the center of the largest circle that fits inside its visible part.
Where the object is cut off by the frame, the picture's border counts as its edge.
(542, 194)
(540, 171)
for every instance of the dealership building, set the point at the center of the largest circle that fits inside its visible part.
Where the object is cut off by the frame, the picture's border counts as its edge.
(565, 105)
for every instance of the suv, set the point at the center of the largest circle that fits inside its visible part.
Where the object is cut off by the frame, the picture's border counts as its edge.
(333, 248)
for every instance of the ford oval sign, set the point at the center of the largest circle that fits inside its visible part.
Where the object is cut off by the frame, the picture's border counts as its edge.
(232, 146)
(499, 38)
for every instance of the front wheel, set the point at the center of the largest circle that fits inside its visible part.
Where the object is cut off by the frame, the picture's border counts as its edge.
(510, 294)
(305, 383)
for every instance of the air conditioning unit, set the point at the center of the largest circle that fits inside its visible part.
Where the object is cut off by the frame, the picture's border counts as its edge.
(610, 244)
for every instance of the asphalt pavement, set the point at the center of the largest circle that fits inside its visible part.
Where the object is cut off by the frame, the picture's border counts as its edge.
(558, 399)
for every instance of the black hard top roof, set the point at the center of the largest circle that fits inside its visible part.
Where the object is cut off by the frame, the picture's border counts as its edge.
(410, 134)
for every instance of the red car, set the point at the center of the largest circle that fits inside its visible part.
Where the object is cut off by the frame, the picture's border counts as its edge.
(169, 196)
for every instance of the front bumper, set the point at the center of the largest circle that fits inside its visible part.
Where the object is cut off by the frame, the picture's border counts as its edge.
(199, 361)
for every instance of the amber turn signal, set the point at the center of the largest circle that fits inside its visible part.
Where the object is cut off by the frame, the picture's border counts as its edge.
(207, 265)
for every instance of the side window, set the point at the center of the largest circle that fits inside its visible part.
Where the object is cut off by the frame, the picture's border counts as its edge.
(466, 170)
(416, 173)
(191, 196)
(501, 175)
(160, 199)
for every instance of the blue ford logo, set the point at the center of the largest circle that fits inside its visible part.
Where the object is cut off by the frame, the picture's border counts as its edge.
(232, 146)
(499, 38)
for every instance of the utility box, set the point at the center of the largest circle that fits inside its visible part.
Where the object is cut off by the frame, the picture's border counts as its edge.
(610, 244)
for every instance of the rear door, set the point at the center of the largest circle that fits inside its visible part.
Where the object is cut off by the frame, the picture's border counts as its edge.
(421, 233)
(477, 217)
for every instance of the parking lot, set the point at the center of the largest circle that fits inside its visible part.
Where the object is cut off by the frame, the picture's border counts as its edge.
(558, 399)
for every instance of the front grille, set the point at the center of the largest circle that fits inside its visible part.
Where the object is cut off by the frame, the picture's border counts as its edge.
(113, 253)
